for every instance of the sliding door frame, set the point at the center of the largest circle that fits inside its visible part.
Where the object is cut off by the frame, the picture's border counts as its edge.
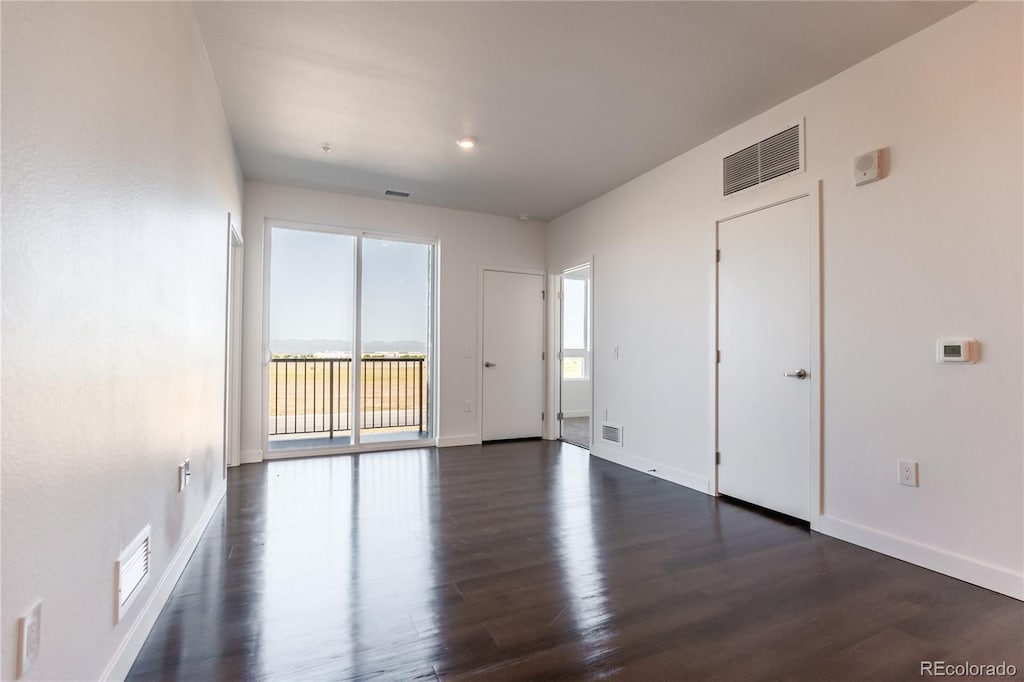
(356, 445)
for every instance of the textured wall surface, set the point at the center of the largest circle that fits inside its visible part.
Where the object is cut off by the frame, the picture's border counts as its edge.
(118, 174)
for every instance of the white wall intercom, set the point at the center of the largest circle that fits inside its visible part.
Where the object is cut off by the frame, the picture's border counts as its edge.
(868, 168)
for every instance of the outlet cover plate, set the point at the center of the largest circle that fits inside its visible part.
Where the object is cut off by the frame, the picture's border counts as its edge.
(908, 472)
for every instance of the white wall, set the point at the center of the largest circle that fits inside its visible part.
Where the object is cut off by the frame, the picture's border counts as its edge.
(933, 250)
(576, 398)
(118, 174)
(466, 241)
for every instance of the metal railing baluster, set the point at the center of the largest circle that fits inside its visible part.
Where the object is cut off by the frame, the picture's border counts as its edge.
(393, 395)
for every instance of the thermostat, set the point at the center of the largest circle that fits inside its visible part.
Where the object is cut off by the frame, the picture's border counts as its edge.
(955, 350)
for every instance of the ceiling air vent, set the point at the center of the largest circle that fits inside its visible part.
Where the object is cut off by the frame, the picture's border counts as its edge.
(772, 157)
(396, 193)
(611, 434)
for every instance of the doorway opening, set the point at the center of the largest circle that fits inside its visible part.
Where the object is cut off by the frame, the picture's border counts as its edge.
(575, 357)
(350, 340)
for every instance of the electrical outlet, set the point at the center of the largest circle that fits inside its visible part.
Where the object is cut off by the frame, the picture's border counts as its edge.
(469, 406)
(908, 472)
(182, 477)
(29, 627)
(188, 472)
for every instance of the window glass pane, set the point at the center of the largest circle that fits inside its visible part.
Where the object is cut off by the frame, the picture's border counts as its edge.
(312, 284)
(395, 340)
(574, 300)
(574, 368)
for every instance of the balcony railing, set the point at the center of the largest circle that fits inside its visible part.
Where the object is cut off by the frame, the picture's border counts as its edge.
(313, 396)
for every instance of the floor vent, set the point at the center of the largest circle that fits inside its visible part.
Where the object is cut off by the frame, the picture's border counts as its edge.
(771, 158)
(396, 193)
(611, 434)
(132, 572)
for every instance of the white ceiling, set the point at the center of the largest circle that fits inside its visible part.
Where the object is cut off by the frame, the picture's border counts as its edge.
(568, 99)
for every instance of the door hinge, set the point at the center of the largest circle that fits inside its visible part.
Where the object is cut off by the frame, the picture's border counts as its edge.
(559, 355)
(560, 417)
(718, 255)
(543, 295)
(718, 356)
(718, 457)
(542, 416)
(559, 295)
(543, 356)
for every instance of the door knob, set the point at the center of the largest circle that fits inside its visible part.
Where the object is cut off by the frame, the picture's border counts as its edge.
(490, 364)
(799, 374)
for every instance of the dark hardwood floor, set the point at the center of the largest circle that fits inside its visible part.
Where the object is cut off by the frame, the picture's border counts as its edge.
(531, 560)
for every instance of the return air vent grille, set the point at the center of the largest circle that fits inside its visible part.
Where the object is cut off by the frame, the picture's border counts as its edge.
(611, 434)
(132, 572)
(741, 170)
(396, 193)
(772, 157)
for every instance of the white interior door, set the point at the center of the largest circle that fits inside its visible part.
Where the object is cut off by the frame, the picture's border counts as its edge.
(512, 354)
(764, 380)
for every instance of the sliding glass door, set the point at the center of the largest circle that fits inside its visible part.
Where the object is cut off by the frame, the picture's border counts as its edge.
(349, 338)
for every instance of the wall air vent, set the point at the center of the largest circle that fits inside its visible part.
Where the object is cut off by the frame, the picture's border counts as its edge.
(611, 434)
(771, 158)
(132, 572)
(396, 193)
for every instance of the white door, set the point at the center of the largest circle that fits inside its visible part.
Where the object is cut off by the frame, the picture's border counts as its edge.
(764, 381)
(513, 361)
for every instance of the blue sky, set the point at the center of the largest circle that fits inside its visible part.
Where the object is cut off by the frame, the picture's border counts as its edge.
(312, 280)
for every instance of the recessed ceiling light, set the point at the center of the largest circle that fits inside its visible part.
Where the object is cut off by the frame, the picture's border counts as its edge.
(466, 142)
(523, 217)
(326, 148)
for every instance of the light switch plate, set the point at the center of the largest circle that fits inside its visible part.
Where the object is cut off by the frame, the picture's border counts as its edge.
(29, 633)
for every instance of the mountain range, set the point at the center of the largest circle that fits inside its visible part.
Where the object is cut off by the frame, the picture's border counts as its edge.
(325, 346)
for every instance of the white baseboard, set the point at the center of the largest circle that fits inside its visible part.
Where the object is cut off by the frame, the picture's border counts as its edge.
(250, 456)
(125, 656)
(684, 478)
(964, 568)
(455, 441)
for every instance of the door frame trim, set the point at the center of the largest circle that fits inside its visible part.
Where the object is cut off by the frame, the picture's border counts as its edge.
(480, 341)
(233, 346)
(760, 201)
(553, 430)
